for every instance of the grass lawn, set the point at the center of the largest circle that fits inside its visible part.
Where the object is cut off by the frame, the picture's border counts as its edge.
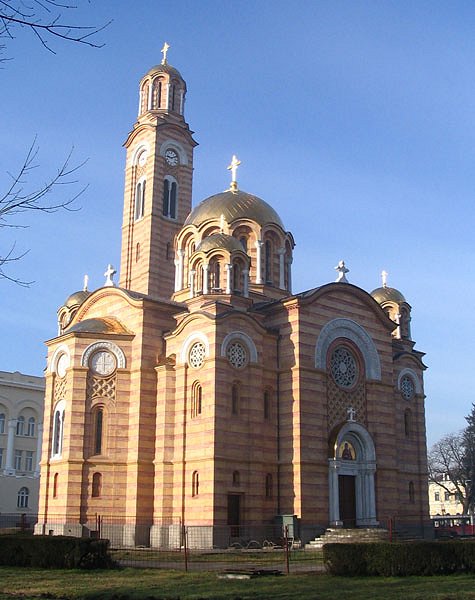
(148, 584)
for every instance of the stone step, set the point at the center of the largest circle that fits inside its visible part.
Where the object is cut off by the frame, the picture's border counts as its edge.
(348, 536)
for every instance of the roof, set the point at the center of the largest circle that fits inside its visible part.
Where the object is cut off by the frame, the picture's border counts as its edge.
(387, 294)
(76, 299)
(166, 68)
(102, 325)
(219, 240)
(234, 205)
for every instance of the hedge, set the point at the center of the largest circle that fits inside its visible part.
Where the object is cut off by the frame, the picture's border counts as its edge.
(54, 552)
(400, 559)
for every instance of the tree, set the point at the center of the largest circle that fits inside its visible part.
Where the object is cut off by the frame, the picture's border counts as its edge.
(469, 457)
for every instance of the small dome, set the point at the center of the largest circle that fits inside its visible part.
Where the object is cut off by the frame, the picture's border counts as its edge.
(234, 205)
(219, 240)
(166, 68)
(77, 298)
(103, 325)
(387, 294)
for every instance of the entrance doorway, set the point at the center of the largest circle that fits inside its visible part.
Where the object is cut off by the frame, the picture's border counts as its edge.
(234, 513)
(347, 500)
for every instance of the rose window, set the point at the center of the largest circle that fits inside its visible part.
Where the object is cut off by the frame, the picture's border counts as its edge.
(197, 355)
(237, 355)
(407, 387)
(343, 367)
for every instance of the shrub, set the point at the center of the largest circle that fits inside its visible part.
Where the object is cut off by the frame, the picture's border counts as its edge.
(58, 552)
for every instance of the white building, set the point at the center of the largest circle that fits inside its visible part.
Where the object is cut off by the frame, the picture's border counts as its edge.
(21, 428)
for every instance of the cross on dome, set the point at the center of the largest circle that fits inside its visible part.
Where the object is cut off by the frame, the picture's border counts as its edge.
(164, 51)
(384, 277)
(86, 281)
(235, 162)
(109, 274)
(342, 271)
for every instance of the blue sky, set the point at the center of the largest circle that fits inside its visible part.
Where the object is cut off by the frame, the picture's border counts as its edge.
(354, 120)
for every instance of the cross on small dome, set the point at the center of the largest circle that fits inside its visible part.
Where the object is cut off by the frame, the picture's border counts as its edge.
(164, 51)
(235, 162)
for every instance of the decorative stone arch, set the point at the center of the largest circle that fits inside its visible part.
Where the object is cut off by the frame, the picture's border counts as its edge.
(142, 147)
(60, 350)
(110, 346)
(174, 145)
(244, 339)
(346, 328)
(360, 470)
(415, 379)
(190, 340)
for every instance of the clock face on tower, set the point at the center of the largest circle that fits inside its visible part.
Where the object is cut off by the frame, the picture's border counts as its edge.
(171, 157)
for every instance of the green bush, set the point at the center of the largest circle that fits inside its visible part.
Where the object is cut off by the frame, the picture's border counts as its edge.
(400, 559)
(54, 552)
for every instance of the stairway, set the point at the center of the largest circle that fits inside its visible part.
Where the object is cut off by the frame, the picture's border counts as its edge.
(348, 536)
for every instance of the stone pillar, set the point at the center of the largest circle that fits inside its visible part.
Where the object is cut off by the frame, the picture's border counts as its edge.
(38, 449)
(289, 274)
(333, 499)
(182, 101)
(181, 260)
(281, 253)
(206, 278)
(245, 291)
(140, 102)
(259, 244)
(192, 283)
(9, 468)
(150, 96)
(229, 273)
(167, 104)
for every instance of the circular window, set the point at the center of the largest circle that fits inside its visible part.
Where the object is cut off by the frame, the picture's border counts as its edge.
(103, 362)
(237, 355)
(62, 365)
(197, 355)
(407, 387)
(343, 367)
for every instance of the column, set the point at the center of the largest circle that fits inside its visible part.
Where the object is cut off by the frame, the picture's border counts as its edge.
(150, 96)
(289, 274)
(259, 244)
(229, 272)
(206, 278)
(245, 290)
(167, 104)
(140, 102)
(182, 101)
(192, 283)
(9, 469)
(176, 263)
(38, 449)
(333, 499)
(281, 253)
(181, 262)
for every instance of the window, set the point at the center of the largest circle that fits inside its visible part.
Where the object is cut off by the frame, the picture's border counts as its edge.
(18, 457)
(266, 404)
(139, 200)
(196, 400)
(236, 479)
(236, 277)
(412, 496)
(31, 427)
(195, 483)
(159, 95)
(169, 197)
(2, 422)
(235, 399)
(55, 485)
(137, 252)
(98, 428)
(243, 240)
(446, 496)
(216, 277)
(96, 485)
(407, 388)
(269, 490)
(237, 355)
(29, 460)
(268, 258)
(437, 496)
(58, 426)
(1, 458)
(22, 498)
(20, 426)
(343, 367)
(197, 355)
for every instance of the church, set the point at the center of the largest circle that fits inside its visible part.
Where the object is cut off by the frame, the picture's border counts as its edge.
(202, 391)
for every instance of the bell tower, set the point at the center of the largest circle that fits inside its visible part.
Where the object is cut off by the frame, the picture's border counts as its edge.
(158, 183)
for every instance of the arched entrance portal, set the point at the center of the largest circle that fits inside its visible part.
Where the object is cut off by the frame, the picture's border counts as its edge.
(352, 465)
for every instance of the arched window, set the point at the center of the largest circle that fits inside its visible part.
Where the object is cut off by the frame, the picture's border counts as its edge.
(236, 479)
(236, 277)
(196, 400)
(159, 95)
(269, 486)
(139, 200)
(407, 422)
(55, 485)
(96, 485)
(58, 425)
(22, 498)
(170, 194)
(31, 427)
(268, 262)
(235, 399)
(412, 495)
(243, 240)
(98, 430)
(195, 483)
(2, 422)
(20, 426)
(137, 252)
(266, 404)
(216, 277)
(172, 96)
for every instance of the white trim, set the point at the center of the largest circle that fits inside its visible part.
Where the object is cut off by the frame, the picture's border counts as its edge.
(346, 328)
(174, 145)
(413, 375)
(190, 340)
(118, 353)
(53, 362)
(245, 339)
(138, 150)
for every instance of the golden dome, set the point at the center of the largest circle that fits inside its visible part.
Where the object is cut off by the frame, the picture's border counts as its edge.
(103, 325)
(387, 294)
(166, 68)
(234, 205)
(219, 240)
(76, 299)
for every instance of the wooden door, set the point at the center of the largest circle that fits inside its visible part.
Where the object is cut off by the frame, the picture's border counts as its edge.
(347, 498)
